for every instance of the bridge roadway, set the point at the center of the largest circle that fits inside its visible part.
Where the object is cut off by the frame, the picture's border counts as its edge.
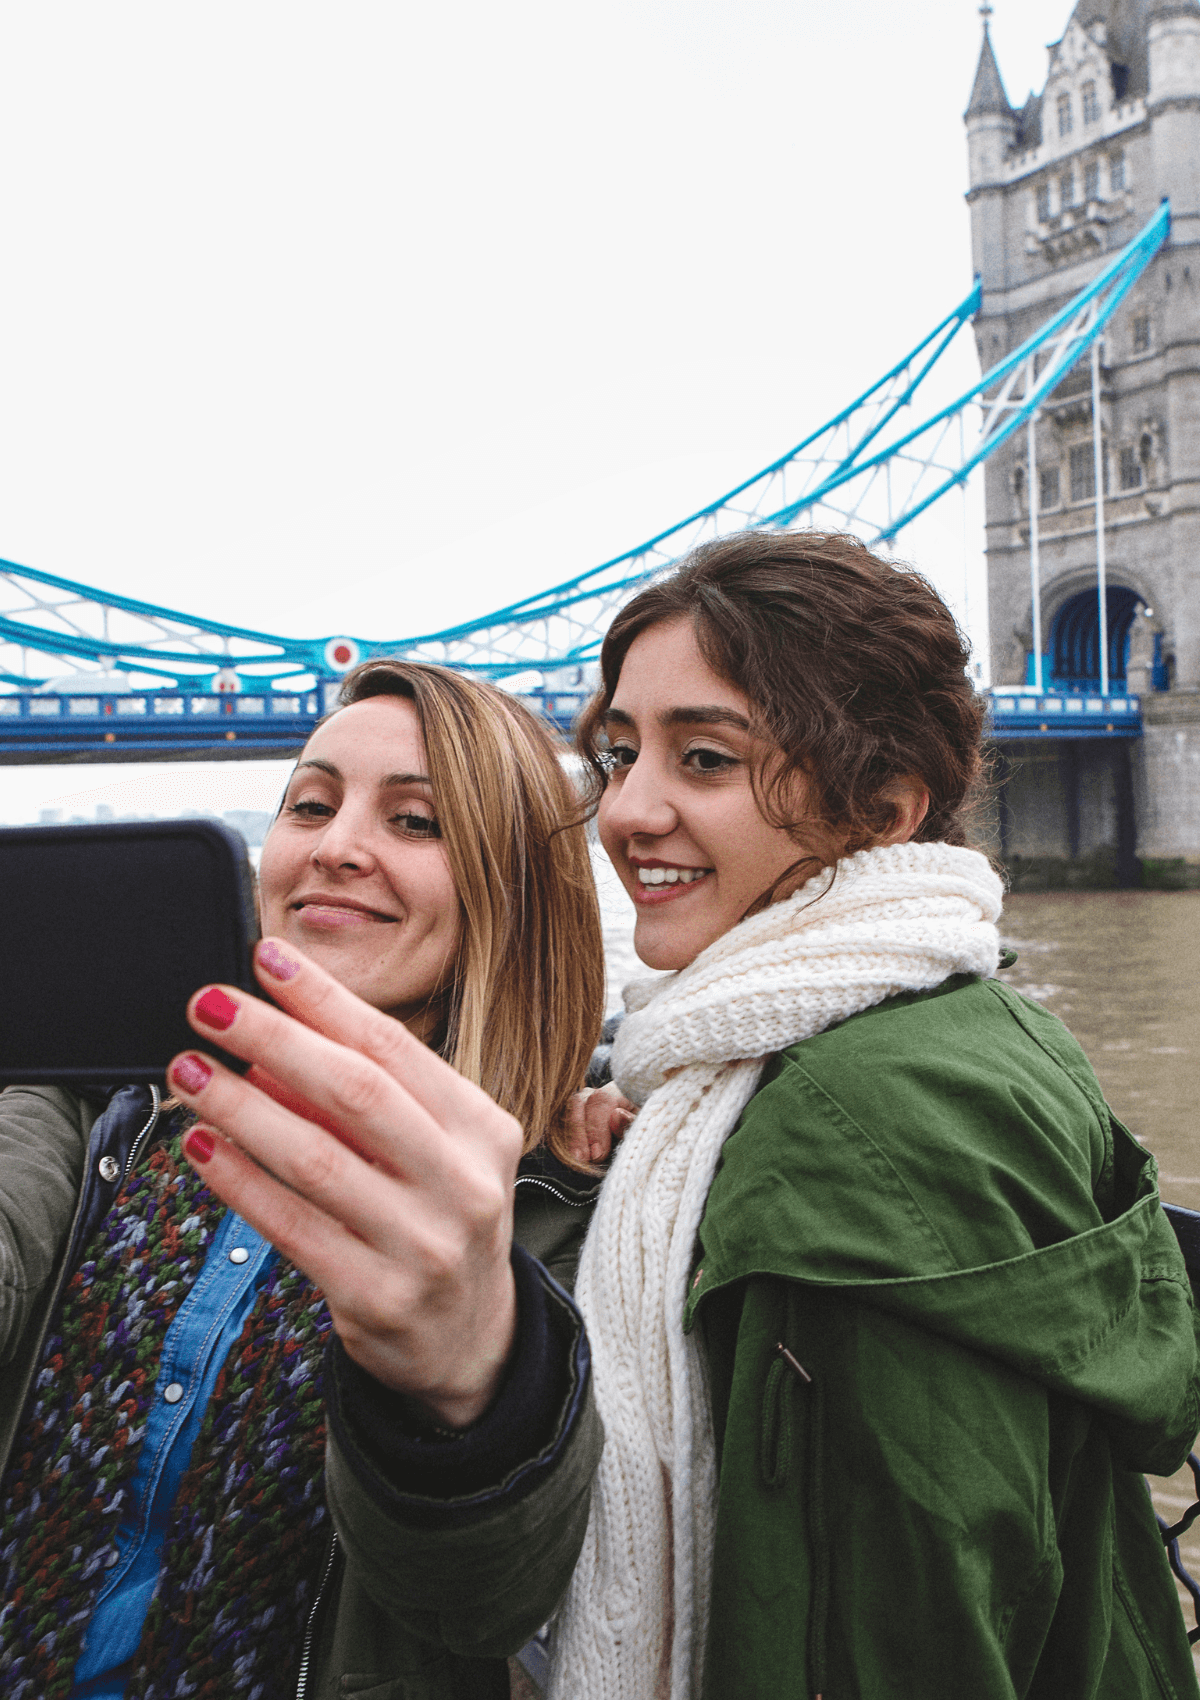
(172, 725)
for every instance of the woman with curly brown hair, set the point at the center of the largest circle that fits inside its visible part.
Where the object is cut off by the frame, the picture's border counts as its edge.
(885, 1315)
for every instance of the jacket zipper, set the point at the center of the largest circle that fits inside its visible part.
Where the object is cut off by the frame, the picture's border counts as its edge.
(135, 1150)
(534, 1180)
(306, 1651)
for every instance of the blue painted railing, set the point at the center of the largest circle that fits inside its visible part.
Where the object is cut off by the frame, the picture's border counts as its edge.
(1061, 714)
(37, 726)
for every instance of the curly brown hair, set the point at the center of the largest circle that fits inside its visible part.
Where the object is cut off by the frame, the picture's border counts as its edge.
(853, 666)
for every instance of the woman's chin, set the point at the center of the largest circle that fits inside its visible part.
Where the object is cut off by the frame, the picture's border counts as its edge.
(662, 946)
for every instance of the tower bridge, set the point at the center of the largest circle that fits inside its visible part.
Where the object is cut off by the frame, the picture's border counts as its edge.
(1086, 324)
(88, 675)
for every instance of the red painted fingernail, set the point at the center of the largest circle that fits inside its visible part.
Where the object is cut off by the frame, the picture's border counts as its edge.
(191, 1073)
(199, 1145)
(216, 1010)
(277, 962)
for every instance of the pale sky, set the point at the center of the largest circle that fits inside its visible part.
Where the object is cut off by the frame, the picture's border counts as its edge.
(371, 317)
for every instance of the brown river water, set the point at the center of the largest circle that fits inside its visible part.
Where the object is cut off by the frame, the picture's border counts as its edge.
(1122, 970)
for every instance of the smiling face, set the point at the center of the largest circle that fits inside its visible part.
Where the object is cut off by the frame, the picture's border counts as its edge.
(354, 871)
(679, 818)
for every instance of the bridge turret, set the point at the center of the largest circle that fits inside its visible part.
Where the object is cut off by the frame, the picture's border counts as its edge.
(1173, 106)
(991, 127)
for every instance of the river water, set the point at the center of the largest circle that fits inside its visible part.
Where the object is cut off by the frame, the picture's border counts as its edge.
(1122, 970)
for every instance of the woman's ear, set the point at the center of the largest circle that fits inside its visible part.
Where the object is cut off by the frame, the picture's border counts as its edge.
(909, 798)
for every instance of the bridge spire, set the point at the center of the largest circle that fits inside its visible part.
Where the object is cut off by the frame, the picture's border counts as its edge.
(987, 95)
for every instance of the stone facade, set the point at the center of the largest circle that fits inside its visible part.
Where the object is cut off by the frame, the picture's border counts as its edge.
(1055, 189)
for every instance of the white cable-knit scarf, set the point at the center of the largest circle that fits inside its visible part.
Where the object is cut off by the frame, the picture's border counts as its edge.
(900, 918)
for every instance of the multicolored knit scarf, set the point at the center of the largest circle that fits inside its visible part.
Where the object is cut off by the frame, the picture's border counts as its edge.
(245, 1535)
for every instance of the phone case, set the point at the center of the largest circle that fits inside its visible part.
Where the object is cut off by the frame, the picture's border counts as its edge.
(107, 931)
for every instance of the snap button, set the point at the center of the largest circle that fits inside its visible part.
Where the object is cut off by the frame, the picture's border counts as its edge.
(109, 1168)
(174, 1393)
(239, 1254)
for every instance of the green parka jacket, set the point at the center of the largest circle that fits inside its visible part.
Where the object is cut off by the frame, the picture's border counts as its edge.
(937, 1493)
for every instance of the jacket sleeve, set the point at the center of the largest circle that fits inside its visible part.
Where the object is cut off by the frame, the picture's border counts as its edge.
(476, 1571)
(43, 1143)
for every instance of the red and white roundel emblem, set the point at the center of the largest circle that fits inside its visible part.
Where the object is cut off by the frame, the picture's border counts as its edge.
(341, 654)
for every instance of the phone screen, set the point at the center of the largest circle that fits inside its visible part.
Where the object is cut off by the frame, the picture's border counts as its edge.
(107, 932)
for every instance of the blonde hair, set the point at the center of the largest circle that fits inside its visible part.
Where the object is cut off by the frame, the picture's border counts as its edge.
(526, 995)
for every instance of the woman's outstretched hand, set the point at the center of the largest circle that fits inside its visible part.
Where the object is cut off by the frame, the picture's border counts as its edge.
(370, 1164)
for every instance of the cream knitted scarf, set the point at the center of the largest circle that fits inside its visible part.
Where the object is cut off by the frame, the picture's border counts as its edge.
(899, 918)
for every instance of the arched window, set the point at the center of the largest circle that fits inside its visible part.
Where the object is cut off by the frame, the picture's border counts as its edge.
(1091, 105)
(1065, 124)
(1075, 638)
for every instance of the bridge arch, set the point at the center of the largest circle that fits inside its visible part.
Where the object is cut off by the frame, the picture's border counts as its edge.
(1075, 637)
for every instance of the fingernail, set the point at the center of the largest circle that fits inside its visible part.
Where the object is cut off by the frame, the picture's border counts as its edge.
(191, 1073)
(277, 962)
(199, 1145)
(216, 1010)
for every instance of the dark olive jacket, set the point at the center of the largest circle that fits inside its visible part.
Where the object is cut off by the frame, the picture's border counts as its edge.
(989, 1335)
(422, 1598)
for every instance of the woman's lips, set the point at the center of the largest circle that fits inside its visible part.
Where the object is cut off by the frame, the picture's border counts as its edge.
(312, 912)
(649, 896)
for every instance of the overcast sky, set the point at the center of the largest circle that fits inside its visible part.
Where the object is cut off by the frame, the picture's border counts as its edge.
(371, 317)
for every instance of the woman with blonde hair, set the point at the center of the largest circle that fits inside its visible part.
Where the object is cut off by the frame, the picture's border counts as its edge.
(266, 1386)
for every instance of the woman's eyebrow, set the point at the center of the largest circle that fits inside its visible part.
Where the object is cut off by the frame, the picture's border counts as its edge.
(388, 779)
(708, 714)
(705, 715)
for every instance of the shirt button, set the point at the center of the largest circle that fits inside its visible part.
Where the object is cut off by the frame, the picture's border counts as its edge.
(239, 1254)
(173, 1393)
(109, 1168)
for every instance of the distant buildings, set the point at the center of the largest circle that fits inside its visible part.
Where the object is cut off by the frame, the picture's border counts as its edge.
(253, 824)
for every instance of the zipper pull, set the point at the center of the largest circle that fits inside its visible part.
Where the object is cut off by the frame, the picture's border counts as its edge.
(796, 1367)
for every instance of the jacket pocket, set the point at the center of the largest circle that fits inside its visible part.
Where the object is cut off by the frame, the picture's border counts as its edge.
(778, 1427)
(791, 1444)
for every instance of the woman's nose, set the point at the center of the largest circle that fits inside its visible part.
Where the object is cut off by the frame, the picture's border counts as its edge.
(639, 804)
(345, 843)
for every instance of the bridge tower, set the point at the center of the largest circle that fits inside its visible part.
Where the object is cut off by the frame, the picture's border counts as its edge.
(1055, 187)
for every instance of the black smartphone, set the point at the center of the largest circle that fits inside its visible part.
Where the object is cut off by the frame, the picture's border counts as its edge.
(107, 931)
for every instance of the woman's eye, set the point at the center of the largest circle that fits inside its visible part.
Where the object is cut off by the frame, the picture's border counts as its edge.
(619, 756)
(309, 809)
(709, 761)
(419, 826)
